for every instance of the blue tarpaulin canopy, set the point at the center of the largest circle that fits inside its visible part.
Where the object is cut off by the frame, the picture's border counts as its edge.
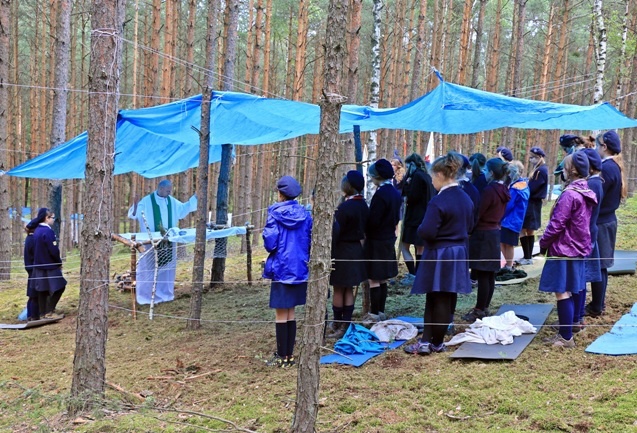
(160, 140)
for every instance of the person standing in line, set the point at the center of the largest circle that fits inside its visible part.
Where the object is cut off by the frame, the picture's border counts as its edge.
(47, 265)
(347, 251)
(538, 188)
(484, 243)
(380, 235)
(286, 237)
(418, 190)
(33, 309)
(615, 190)
(513, 219)
(567, 241)
(444, 272)
(162, 212)
(478, 176)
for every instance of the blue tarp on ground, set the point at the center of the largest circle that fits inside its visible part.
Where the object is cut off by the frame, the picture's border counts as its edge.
(159, 141)
(621, 339)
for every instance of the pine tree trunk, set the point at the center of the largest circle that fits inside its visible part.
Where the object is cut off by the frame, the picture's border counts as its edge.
(463, 58)
(202, 171)
(374, 92)
(5, 229)
(223, 184)
(60, 96)
(308, 378)
(475, 70)
(89, 364)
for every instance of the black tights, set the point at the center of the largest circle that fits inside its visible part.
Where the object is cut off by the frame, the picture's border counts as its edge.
(439, 308)
(486, 287)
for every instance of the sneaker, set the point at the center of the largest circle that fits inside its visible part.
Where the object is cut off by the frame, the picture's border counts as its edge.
(589, 311)
(418, 348)
(408, 280)
(577, 327)
(381, 316)
(53, 316)
(504, 270)
(338, 331)
(474, 314)
(525, 262)
(438, 349)
(275, 361)
(369, 319)
(288, 362)
(558, 341)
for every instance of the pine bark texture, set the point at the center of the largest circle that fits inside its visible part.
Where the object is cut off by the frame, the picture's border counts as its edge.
(5, 232)
(89, 363)
(308, 378)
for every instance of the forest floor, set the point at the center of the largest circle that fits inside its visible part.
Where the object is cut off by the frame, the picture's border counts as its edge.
(162, 376)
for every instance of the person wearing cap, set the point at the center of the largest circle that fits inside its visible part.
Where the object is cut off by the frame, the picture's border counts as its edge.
(49, 283)
(286, 238)
(380, 236)
(444, 272)
(538, 188)
(484, 243)
(418, 190)
(566, 241)
(569, 144)
(504, 153)
(158, 212)
(347, 250)
(615, 189)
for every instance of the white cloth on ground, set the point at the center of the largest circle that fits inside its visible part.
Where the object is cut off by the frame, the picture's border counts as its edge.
(494, 330)
(390, 330)
(165, 281)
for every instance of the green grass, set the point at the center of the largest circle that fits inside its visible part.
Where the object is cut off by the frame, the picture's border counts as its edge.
(543, 390)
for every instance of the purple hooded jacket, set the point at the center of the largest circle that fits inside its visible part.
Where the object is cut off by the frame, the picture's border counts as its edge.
(568, 231)
(286, 237)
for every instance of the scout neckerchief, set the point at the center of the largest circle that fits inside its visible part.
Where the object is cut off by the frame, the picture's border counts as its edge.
(164, 248)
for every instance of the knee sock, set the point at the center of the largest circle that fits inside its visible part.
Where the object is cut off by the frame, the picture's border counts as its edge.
(383, 297)
(454, 303)
(281, 338)
(428, 320)
(33, 309)
(565, 316)
(582, 304)
(348, 311)
(576, 303)
(485, 291)
(491, 280)
(411, 268)
(418, 257)
(443, 302)
(291, 325)
(525, 246)
(53, 300)
(338, 315)
(598, 292)
(374, 299)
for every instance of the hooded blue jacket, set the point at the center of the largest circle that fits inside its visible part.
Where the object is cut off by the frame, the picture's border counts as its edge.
(286, 237)
(516, 207)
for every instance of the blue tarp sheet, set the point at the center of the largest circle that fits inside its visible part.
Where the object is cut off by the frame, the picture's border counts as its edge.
(621, 339)
(159, 141)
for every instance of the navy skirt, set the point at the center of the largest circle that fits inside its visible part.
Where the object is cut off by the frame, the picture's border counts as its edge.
(606, 237)
(443, 270)
(31, 292)
(593, 266)
(349, 264)
(410, 236)
(287, 295)
(509, 237)
(561, 274)
(381, 256)
(48, 280)
(533, 216)
(484, 250)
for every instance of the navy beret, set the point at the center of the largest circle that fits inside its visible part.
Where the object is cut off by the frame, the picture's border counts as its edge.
(580, 162)
(356, 180)
(506, 153)
(594, 160)
(612, 141)
(538, 151)
(381, 168)
(289, 187)
(566, 140)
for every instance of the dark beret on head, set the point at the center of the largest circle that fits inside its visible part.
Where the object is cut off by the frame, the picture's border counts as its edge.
(356, 180)
(289, 187)
(538, 151)
(381, 168)
(506, 153)
(612, 141)
(580, 162)
(594, 160)
(567, 140)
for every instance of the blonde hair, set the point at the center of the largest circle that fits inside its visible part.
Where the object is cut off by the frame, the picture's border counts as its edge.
(448, 165)
(619, 160)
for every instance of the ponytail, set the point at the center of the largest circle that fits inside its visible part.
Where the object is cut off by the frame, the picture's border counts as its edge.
(619, 160)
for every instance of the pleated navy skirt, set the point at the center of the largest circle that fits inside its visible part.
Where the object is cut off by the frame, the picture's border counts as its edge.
(562, 274)
(443, 270)
(287, 295)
